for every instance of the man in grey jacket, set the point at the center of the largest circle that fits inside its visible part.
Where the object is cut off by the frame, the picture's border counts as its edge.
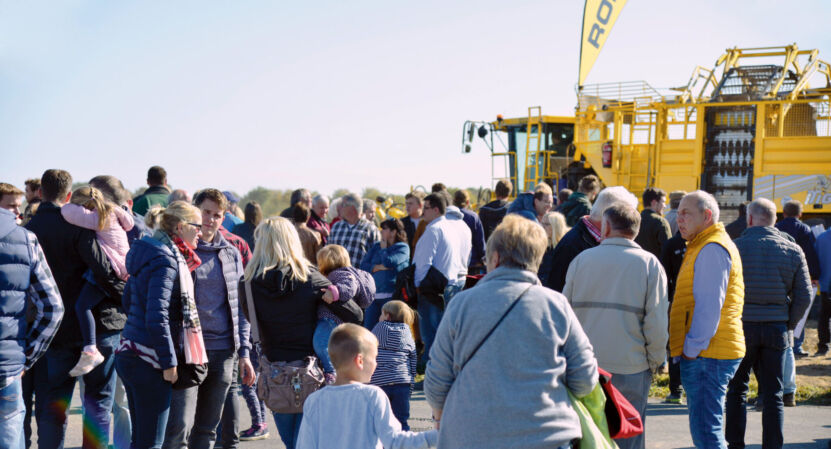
(625, 315)
(777, 293)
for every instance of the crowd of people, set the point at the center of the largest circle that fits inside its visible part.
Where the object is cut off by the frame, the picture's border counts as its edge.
(168, 307)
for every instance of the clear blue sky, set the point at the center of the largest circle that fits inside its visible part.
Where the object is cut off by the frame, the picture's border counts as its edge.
(327, 94)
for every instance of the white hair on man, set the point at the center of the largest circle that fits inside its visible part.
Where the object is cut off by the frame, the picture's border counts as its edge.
(609, 196)
(763, 212)
(368, 205)
(319, 199)
(705, 201)
(351, 199)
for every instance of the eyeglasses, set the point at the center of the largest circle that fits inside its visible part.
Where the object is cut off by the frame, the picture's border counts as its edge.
(197, 226)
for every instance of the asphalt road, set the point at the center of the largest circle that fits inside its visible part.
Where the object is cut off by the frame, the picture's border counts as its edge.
(666, 426)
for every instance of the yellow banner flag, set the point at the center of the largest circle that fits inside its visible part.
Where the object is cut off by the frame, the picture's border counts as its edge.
(599, 16)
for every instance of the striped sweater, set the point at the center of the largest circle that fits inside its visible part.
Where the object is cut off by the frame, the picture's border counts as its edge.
(396, 354)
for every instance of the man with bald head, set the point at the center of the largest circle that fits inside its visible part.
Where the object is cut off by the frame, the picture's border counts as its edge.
(777, 293)
(705, 322)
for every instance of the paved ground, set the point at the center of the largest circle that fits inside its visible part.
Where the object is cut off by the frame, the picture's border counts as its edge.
(667, 426)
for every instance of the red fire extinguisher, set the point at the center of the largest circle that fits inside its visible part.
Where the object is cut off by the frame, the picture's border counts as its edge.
(606, 152)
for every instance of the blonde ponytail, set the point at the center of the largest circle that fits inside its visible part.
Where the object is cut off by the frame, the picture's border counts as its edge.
(153, 217)
(92, 199)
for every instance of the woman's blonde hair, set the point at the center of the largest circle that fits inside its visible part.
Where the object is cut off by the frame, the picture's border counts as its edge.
(167, 218)
(519, 242)
(332, 257)
(92, 199)
(398, 312)
(557, 221)
(277, 246)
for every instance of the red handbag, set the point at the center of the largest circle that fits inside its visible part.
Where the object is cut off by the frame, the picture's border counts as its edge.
(624, 420)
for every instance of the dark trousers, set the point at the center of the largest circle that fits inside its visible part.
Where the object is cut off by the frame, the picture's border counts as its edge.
(90, 296)
(766, 344)
(148, 396)
(195, 412)
(674, 376)
(823, 326)
(53, 393)
(28, 401)
(399, 395)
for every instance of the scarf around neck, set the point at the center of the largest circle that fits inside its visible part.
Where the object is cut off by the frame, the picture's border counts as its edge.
(193, 343)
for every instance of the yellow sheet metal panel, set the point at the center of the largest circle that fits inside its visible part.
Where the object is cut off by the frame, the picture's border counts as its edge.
(795, 155)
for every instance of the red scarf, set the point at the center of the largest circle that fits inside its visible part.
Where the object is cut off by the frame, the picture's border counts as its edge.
(190, 255)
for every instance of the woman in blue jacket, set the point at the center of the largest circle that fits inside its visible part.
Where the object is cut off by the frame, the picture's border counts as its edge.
(159, 302)
(385, 260)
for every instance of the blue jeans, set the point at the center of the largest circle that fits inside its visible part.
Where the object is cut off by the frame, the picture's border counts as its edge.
(373, 313)
(148, 396)
(12, 411)
(195, 412)
(399, 396)
(705, 381)
(429, 316)
(256, 407)
(766, 344)
(320, 341)
(288, 426)
(53, 393)
(789, 372)
(227, 434)
(635, 388)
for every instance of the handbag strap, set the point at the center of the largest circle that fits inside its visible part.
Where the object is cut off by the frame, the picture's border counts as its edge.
(252, 312)
(511, 307)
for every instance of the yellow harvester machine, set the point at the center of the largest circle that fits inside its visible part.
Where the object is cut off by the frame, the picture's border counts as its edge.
(756, 125)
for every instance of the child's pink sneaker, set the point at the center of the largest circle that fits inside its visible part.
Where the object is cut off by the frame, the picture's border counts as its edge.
(87, 362)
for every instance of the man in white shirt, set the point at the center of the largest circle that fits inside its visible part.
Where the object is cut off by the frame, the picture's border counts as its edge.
(445, 246)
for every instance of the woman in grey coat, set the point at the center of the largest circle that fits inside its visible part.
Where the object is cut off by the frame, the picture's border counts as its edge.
(513, 392)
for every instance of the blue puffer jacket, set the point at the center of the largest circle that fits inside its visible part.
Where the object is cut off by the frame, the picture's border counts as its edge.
(15, 272)
(152, 300)
(524, 205)
(395, 257)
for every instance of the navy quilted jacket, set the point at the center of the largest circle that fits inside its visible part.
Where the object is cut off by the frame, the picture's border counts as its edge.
(152, 300)
(777, 287)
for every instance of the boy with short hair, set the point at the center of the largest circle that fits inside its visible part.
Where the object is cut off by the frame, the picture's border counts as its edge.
(350, 413)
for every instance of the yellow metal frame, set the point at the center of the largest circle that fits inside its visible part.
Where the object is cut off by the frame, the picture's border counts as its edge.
(660, 140)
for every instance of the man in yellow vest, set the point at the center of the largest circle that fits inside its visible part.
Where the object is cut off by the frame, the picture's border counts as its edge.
(705, 328)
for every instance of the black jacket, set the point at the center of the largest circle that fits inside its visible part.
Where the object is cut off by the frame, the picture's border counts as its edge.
(577, 240)
(70, 252)
(432, 288)
(492, 214)
(736, 227)
(672, 255)
(546, 265)
(287, 312)
(410, 229)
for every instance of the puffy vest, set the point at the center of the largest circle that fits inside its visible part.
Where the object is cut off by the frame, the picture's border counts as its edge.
(728, 342)
(15, 276)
